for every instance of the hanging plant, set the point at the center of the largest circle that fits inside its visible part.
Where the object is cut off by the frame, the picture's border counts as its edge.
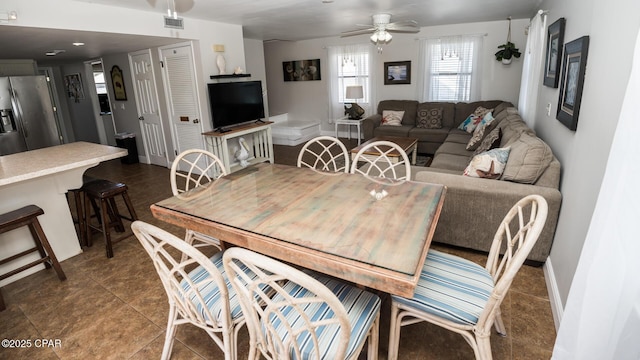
(507, 50)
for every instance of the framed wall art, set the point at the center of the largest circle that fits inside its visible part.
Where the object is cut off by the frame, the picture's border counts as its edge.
(118, 84)
(73, 85)
(572, 80)
(397, 72)
(301, 70)
(555, 40)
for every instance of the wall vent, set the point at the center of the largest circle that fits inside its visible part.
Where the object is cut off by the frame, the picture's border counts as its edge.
(173, 23)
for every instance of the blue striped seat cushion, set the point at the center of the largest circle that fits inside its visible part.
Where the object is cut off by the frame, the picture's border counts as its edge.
(210, 292)
(452, 288)
(362, 308)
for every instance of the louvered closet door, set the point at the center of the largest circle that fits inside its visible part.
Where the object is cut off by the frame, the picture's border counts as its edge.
(182, 99)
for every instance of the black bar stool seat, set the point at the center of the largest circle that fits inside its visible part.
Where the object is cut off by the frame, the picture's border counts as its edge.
(105, 192)
(28, 216)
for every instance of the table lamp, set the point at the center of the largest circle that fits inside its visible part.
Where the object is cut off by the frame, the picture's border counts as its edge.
(354, 111)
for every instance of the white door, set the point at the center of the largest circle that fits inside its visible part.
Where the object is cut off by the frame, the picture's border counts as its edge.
(182, 97)
(144, 88)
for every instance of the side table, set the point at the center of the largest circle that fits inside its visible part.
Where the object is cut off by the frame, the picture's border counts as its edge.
(349, 122)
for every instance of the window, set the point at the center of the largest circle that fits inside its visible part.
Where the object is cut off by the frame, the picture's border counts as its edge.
(451, 69)
(350, 65)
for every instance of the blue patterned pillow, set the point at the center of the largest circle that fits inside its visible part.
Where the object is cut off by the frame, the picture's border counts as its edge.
(489, 164)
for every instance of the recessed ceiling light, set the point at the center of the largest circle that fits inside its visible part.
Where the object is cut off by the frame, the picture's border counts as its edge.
(327, 1)
(54, 52)
(78, 44)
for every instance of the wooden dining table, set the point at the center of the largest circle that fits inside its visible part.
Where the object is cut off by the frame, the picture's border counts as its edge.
(374, 232)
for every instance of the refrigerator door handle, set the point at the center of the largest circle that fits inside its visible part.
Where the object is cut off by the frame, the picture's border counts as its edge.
(18, 113)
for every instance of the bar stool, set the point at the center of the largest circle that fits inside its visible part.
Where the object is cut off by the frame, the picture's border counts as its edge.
(105, 192)
(28, 216)
(77, 196)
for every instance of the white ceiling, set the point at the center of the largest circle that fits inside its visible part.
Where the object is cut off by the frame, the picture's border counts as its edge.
(261, 19)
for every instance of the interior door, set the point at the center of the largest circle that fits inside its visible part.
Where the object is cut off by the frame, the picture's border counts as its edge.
(182, 97)
(144, 87)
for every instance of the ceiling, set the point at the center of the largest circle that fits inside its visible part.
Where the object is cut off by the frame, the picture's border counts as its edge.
(267, 20)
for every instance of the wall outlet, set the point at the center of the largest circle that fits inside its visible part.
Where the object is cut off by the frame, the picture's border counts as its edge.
(548, 109)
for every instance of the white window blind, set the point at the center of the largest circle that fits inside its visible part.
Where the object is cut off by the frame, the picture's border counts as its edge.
(350, 65)
(452, 66)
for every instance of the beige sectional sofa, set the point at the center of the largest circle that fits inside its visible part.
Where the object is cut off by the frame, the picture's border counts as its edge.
(474, 207)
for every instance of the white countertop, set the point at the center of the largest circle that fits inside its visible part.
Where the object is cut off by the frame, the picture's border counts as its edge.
(36, 163)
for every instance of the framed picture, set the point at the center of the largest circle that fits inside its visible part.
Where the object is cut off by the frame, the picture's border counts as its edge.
(118, 84)
(572, 80)
(397, 72)
(555, 40)
(301, 70)
(73, 86)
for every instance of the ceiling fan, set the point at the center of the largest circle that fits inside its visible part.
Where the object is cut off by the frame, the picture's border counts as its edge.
(382, 26)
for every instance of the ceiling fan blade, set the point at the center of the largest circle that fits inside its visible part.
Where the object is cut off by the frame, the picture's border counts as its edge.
(404, 30)
(406, 23)
(356, 32)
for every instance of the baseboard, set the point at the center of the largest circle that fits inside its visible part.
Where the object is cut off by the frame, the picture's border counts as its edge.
(554, 295)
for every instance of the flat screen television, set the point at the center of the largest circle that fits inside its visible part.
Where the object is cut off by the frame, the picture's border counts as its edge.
(234, 103)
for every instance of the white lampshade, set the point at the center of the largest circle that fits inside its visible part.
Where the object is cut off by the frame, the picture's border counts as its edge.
(381, 36)
(354, 92)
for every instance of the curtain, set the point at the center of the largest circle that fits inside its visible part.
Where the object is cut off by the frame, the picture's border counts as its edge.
(452, 68)
(532, 69)
(351, 65)
(602, 315)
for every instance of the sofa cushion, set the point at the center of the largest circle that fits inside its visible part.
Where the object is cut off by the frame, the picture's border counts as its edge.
(429, 117)
(529, 158)
(402, 130)
(491, 141)
(489, 164)
(430, 135)
(450, 162)
(458, 136)
(512, 126)
(391, 118)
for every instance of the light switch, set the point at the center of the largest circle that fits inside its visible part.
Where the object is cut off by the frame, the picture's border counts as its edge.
(548, 109)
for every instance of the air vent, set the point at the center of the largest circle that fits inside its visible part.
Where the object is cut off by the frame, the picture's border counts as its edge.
(173, 23)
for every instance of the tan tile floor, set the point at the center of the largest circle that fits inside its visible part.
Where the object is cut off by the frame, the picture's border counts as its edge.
(117, 309)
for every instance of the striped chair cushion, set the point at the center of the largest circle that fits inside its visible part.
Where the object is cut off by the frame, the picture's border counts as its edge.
(452, 288)
(362, 308)
(211, 293)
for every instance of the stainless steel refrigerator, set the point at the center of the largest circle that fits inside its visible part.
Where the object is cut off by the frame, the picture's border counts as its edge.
(27, 121)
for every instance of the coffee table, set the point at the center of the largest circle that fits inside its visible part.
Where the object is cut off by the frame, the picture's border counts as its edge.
(409, 145)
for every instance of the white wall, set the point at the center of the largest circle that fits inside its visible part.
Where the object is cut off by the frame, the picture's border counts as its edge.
(254, 53)
(612, 27)
(309, 99)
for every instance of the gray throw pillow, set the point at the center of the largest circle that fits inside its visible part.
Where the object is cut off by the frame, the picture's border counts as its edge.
(429, 118)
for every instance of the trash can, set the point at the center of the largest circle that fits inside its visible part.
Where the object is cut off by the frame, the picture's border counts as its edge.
(128, 141)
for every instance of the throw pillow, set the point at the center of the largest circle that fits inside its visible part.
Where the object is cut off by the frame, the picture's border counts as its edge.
(391, 117)
(530, 157)
(429, 118)
(489, 164)
(491, 141)
(470, 123)
(480, 132)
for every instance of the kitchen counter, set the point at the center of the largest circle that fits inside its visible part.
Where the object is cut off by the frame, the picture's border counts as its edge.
(42, 177)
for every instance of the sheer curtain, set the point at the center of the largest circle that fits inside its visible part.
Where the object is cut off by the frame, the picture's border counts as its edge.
(351, 65)
(452, 68)
(532, 69)
(602, 315)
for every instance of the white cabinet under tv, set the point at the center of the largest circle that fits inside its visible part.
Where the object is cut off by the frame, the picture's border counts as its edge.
(258, 137)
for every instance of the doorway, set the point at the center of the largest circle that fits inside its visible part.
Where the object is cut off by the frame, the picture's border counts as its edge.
(101, 103)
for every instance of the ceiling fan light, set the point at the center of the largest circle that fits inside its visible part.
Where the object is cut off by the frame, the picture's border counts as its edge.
(374, 37)
(387, 37)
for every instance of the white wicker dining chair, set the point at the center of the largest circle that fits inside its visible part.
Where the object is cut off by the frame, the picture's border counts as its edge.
(464, 297)
(374, 160)
(196, 288)
(324, 153)
(190, 169)
(304, 315)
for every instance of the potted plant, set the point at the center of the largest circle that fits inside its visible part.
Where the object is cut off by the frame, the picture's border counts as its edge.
(508, 49)
(506, 52)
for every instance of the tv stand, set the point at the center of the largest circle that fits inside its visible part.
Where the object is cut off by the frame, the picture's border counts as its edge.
(221, 130)
(258, 136)
(259, 121)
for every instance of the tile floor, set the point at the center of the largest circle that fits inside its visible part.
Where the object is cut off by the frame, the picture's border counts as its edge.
(117, 309)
